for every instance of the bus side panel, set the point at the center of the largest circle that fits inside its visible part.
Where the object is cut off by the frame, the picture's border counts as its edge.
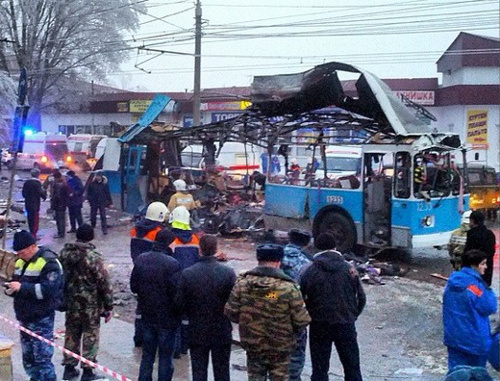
(350, 200)
(442, 216)
(285, 201)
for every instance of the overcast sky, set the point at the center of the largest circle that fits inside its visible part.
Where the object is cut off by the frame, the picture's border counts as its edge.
(392, 39)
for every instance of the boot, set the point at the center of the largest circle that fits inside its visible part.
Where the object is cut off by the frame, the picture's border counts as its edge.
(88, 375)
(70, 372)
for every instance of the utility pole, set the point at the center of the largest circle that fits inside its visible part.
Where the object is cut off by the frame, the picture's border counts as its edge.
(20, 116)
(197, 65)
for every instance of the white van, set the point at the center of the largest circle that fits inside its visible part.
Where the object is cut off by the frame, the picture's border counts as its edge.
(234, 158)
(43, 151)
(82, 148)
(341, 161)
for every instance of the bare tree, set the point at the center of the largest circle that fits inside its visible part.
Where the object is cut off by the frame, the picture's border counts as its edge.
(59, 41)
(7, 104)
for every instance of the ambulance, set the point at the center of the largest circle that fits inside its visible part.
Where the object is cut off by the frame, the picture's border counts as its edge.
(82, 148)
(43, 151)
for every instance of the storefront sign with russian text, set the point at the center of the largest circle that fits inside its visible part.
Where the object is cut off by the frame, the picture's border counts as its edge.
(139, 106)
(477, 128)
(421, 97)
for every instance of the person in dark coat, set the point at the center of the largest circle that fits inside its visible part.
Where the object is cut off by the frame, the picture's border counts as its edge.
(99, 198)
(479, 237)
(154, 279)
(75, 202)
(334, 298)
(33, 192)
(59, 200)
(203, 291)
(142, 238)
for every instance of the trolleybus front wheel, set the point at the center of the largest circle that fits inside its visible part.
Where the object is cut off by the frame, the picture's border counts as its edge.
(341, 227)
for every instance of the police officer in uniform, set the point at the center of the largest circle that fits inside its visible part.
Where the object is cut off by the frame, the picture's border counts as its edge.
(37, 289)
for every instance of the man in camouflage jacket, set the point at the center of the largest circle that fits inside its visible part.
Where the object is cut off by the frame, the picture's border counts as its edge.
(457, 241)
(88, 296)
(268, 306)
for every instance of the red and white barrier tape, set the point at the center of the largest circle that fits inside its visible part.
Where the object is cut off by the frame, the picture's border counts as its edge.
(64, 350)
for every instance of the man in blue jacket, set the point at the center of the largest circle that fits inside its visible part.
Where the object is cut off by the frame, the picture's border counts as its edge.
(467, 304)
(154, 279)
(37, 289)
(295, 260)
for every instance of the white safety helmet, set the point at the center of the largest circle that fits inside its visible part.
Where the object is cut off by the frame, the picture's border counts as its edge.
(466, 217)
(295, 161)
(180, 185)
(180, 214)
(157, 211)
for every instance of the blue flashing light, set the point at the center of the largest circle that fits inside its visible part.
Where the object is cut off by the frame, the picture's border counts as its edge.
(28, 132)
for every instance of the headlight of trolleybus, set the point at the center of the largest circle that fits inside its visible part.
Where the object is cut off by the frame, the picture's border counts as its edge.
(428, 221)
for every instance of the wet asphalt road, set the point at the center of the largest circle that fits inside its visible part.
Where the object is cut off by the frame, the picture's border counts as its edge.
(400, 331)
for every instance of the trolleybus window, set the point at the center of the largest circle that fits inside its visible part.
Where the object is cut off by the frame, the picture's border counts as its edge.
(402, 178)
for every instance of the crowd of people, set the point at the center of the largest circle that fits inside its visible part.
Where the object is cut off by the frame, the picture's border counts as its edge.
(187, 299)
(67, 195)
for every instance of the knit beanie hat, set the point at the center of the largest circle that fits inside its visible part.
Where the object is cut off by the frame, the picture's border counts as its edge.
(22, 240)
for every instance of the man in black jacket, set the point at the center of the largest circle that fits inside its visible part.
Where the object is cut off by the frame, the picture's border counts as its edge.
(334, 298)
(203, 291)
(99, 198)
(75, 201)
(154, 279)
(33, 192)
(59, 202)
(479, 237)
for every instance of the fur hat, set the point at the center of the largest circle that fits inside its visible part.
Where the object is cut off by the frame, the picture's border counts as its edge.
(85, 233)
(22, 240)
(269, 252)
